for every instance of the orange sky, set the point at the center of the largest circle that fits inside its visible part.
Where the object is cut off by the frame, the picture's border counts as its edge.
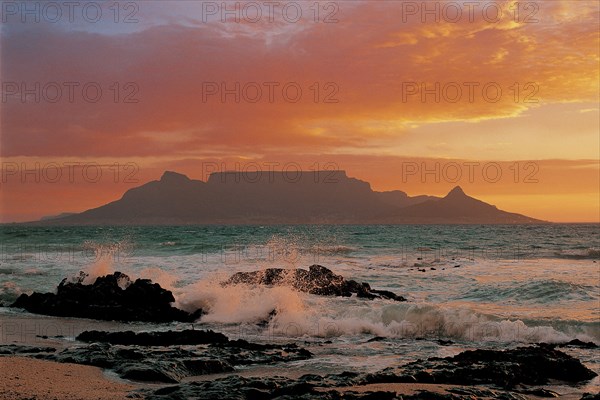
(375, 62)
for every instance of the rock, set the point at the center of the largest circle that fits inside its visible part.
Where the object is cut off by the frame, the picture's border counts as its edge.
(590, 396)
(255, 353)
(14, 349)
(263, 388)
(524, 365)
(150, 373)
(317, 280)
(145, 364)
(168, 338)
(171, 356)
(111, 297)
(541, 392)
(579, 343)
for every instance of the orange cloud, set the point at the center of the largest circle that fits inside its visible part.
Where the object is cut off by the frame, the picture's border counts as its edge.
(377, 84)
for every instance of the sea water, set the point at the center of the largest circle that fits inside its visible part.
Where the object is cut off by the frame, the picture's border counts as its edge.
(477, 286)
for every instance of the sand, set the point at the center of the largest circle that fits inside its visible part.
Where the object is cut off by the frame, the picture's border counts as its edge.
(28, 378)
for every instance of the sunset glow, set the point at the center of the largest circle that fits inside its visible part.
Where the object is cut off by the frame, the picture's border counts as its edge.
(380, 88)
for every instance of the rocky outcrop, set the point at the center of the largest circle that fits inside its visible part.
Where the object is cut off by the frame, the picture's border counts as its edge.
(508, 368)
(168, 338)
(111, 297)
(489, 374)
(316, 280)
(165, 357)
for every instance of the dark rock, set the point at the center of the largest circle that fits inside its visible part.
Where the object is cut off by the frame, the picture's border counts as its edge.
(376, 339)
(317, 280)
(168, 338)
(541, 392)
(241, 352)
(590, 396)
(164, 357)
(265, 322)
(111, 297)
(524, 365)
(579, 343)
(150, 373)
(13, 349)
(277, 387)
(145, 364)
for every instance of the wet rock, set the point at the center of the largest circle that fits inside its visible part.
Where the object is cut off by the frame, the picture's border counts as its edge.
(316, 280)
(579, 343)
(524, 365)
(111, 297)
(277, 387)
(541, 392)
(483, 393)
(145, 364)
(376, 339)
(590, 396)
(168, 338)
(171, 356)
(14, 349)
(241, 352)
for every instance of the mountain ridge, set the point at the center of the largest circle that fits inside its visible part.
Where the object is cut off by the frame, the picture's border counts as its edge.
(276, 197)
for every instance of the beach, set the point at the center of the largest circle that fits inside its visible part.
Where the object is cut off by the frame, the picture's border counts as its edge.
(27, 378)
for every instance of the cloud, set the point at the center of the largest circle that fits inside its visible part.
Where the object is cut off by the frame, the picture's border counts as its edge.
(370, 59)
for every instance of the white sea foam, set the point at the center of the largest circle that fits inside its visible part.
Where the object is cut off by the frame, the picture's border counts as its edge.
(300, 314)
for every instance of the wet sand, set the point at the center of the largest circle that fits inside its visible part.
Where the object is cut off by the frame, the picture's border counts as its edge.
(28, 378)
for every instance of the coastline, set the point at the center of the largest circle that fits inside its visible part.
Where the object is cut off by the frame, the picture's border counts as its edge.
(24, 377)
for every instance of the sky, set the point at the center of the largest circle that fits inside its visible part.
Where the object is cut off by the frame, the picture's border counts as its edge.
(499, 97)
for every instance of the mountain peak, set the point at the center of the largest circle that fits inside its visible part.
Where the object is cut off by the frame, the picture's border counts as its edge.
(170, 176)
(456, 192)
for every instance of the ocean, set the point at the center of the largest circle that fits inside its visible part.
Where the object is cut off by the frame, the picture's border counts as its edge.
(467, 286)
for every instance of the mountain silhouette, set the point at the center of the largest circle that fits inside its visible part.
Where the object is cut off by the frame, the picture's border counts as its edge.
(269, 197)
(457, 207)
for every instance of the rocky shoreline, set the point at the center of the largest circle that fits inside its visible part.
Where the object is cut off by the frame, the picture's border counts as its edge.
(494, 374)
(116, 297)
(176, 359)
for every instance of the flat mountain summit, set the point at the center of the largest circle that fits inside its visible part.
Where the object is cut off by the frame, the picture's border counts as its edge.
(270, 197)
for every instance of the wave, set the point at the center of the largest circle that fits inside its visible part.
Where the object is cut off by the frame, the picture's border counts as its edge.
(579, 254)
(288, 313)
(9, 291)
(539, 291)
